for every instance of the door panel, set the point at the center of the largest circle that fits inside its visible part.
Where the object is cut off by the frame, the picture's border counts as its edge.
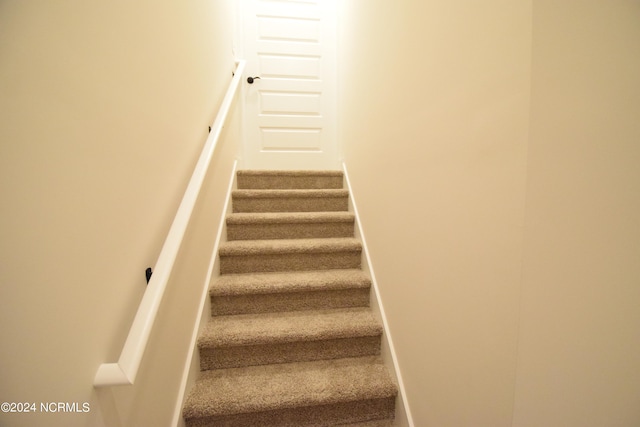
(288, 29)
(288, 103)
(290, 112)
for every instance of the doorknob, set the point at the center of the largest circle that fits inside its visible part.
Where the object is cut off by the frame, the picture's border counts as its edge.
(251, 79)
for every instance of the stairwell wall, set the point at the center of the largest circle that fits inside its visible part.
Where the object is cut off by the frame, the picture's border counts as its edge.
(501, 212)
(580, 330)
(434, 108)
(105, 109)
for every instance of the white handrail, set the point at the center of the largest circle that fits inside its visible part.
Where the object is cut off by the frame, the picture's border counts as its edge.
(125, 370)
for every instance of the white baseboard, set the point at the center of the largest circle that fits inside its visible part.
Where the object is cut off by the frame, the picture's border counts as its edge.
(403, 412)
(192, 361)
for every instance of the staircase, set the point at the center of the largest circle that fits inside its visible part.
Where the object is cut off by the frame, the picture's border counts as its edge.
(292, 341)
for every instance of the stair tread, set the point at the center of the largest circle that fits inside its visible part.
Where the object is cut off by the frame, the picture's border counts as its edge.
(288, 217)
(288, 385)
(282, 327)
(288, 193)
(269, 283)
(317, 245)
(292, 340)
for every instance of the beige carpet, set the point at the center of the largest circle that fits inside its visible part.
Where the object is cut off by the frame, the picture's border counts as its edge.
(292, 341)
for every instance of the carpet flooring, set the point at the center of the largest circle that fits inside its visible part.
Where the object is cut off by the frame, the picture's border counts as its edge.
(292, 341)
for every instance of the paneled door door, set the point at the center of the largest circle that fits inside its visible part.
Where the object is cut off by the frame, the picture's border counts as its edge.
(290, 107)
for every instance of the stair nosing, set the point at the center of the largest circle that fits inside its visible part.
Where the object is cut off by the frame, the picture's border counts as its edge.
(289, 193)
(236, 248)
(293, 172)
(245, 218)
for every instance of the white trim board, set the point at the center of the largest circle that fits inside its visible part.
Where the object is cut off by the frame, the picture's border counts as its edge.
(192, 362)
(403, 412)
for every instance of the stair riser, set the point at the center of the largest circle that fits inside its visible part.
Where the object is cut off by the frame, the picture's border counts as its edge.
(336, 414)
(289, 262)
(290, 204)
(260, 182)
(301, 351)
(294, 301)
(289, 231)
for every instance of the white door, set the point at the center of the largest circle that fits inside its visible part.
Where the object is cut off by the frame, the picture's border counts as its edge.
(290, 111)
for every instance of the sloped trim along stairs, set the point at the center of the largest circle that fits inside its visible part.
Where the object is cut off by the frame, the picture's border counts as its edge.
(292, 341)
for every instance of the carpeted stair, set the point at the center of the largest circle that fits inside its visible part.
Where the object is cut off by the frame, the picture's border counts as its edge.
(292, 341)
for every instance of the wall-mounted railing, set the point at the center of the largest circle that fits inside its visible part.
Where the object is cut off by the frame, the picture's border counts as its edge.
(125, 370)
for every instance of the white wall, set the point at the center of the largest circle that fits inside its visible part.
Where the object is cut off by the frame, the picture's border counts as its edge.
(493, 149)
(579, 356)
(434, 101)
(105, 109)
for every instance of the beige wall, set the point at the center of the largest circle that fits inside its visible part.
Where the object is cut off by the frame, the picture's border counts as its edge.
(105, 108)
(579, 358)
(448, 110)
(434, 126)
(455, 117)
